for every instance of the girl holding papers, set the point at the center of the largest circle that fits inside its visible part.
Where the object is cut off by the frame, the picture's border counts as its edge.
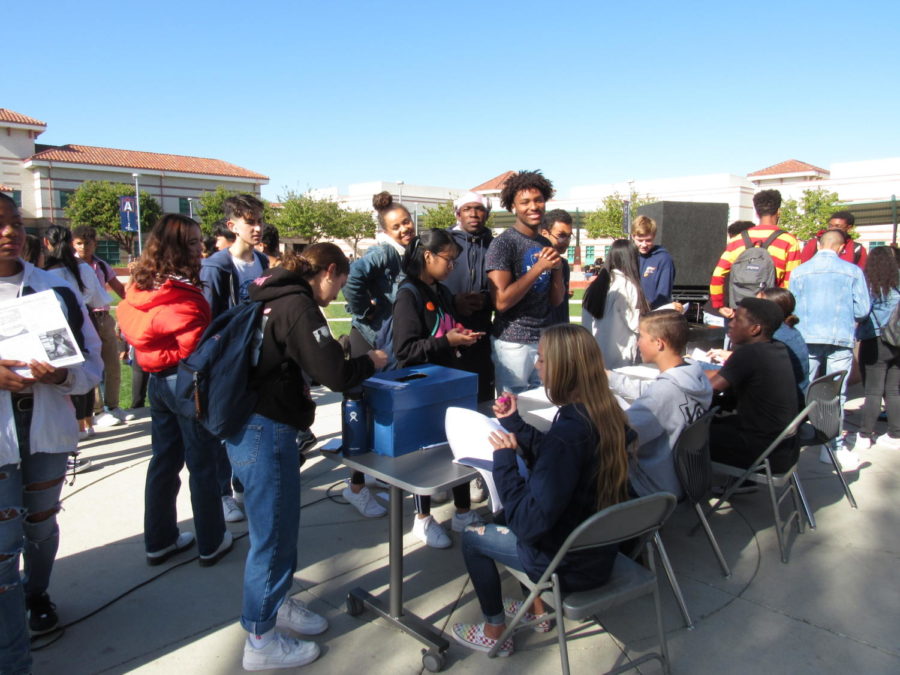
(577, 468)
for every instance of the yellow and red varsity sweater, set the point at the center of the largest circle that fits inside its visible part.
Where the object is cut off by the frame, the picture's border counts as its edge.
(785, 252)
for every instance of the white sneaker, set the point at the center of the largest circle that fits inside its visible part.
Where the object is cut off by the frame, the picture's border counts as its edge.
(477, 491)
(462, 520)
(106, 420)
(848, 460)
(886, 441)
(364, 502)
(131, 415)
(118, 413)
(294, 615)
(232, 510)
(428, 530)
(282, 651)
(371, 481)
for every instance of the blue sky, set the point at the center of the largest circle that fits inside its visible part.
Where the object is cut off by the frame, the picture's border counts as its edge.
(314, 94)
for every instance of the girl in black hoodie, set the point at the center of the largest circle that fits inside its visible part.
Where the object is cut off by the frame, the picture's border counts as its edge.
(264, 455)
(425, 331)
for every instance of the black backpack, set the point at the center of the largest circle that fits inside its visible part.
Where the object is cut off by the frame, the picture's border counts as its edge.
(753, 269)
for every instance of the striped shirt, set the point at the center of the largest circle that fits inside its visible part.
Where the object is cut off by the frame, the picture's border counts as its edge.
(785, 252)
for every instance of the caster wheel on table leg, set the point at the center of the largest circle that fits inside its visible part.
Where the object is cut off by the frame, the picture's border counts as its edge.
(433, 661)
(355, 606)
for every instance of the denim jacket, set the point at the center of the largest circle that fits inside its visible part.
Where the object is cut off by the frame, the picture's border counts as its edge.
(371, 289)
(882, 308)
(832, 296)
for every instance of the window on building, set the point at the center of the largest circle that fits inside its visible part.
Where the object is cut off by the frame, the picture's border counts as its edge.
(16, 196)
(570, 254)
(109, 251)
(873, 244)
(589, 254)
(62, 198)
(184, 206)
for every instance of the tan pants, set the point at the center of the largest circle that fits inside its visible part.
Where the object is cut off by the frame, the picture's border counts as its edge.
(112, 369)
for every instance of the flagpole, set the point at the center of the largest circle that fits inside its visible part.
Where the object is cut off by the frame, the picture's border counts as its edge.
(137, 201)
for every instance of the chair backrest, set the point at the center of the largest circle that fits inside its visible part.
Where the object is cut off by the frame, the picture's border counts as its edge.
(826, 417)
(789, 431)
(691, 456)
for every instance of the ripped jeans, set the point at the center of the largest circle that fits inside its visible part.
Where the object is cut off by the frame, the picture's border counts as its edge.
(29, 501)
(481, 546)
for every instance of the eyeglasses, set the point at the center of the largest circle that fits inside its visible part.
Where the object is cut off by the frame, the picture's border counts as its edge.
(568, 235)
(451, 263)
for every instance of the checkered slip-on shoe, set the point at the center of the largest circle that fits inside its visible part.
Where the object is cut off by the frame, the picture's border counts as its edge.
(510, 607)
(472, 635)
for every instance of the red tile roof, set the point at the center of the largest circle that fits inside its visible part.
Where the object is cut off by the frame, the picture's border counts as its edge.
(133, 159)
(789, 166)
(19, 118)
(4, 188)
(494, 183)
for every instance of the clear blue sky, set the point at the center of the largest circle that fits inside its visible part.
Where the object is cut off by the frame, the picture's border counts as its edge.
(314, 94)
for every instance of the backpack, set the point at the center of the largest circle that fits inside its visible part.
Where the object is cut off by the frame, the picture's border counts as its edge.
(753, 270)
(890, 332)
(384, 337)
(213, 383)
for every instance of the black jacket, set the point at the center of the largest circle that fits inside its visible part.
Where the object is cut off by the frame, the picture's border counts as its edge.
(297, 338)
(417, 316)
(468, 275)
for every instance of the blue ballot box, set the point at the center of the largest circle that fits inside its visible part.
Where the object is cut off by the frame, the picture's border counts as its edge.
(406, 407)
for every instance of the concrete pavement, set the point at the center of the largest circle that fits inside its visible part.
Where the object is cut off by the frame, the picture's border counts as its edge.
(835, 608)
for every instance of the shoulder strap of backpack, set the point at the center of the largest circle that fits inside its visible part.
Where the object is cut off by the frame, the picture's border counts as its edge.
(748, 242)
(857, 252)
(771, 238)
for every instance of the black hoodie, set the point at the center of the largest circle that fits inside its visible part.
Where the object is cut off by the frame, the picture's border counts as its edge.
(297, 338)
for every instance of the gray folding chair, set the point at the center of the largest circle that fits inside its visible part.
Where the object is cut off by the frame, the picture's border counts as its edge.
(694, 469)
(825, 421)
(761, 472)
(638, 518)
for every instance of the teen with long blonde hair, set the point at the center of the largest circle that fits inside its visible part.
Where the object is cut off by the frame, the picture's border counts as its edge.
(577, 468)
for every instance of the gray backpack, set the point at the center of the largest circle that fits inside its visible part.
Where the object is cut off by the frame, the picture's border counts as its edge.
(753, 270)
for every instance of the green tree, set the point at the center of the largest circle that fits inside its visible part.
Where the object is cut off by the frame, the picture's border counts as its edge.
(806, 217)
(609, 219)
(307, 218)
(443, 217)
(354, 226)
(96, 203)
(212, 210)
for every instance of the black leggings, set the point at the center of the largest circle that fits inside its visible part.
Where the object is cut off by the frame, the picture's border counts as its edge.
(84, 404)
(461, 500)
(881, 375)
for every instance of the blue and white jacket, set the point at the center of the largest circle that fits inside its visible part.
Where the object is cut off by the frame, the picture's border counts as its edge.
(53, 425)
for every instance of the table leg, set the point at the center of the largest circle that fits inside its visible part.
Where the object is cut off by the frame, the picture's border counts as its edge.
(395, 552)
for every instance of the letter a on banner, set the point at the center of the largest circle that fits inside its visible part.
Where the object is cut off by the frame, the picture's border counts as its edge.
(128, 214)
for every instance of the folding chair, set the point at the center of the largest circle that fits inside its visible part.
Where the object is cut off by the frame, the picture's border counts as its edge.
(761, 472)
(825, 421)
(638, 518)
(694, 469)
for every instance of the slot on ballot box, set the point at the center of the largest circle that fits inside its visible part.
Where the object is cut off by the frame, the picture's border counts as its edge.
(406, 407)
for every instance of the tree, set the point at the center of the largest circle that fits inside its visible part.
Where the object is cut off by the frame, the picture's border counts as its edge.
(96, 203)
(806, 217)
(609, 219)
(443, 217)
(308, 218)
(354, 226)
(212, 210)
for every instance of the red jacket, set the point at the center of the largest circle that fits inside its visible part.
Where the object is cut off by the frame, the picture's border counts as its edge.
(163, 325)
(852, 251)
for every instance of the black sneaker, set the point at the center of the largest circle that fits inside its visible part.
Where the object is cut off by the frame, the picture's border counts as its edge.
(305, 440)
(42, 617)
(77, 464)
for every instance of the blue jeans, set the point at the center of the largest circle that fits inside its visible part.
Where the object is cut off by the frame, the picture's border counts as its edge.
(178, 441)
(264, 457)
(482, 545)
(37, 540)
(831, 359)
(514, 369)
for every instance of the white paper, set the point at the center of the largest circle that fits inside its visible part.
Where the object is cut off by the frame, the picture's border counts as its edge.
(642, 371)
(33, 327)
(699, 355)
(468, 432)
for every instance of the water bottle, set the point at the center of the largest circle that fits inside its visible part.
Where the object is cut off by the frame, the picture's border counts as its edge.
(353, 424)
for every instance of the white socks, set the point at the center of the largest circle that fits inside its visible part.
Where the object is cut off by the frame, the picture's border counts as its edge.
(260, 641)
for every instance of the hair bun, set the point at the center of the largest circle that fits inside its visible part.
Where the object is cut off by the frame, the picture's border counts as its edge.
(382, 201)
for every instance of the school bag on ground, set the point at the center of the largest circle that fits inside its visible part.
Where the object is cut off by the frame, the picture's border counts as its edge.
(753, 269)
(213, 383)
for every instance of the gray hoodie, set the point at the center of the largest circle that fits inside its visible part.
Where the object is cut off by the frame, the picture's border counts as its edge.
(661, 410)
